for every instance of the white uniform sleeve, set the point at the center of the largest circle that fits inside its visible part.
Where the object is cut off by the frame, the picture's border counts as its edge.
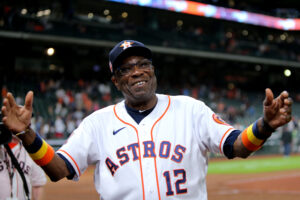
(212, 130)
(81, 148)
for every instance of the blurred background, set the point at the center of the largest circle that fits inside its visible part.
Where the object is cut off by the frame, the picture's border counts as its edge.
(224, 53)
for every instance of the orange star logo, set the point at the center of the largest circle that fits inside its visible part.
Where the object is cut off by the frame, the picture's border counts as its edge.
(126, 44)
(219, 120)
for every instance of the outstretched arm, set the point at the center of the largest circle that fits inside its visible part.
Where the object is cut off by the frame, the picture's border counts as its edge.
(17, 119)
(276, 112)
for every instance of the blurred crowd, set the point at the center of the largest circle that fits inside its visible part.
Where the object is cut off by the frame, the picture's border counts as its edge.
(60, 106)
(177, 31)
(58, 109)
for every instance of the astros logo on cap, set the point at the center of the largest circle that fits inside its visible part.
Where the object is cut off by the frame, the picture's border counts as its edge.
(126, 44)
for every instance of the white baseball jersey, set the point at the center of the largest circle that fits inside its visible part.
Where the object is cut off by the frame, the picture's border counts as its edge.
(162, 157)
(34, 175)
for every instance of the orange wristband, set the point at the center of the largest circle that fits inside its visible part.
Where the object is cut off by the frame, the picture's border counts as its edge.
(250, 141)
(47, 157)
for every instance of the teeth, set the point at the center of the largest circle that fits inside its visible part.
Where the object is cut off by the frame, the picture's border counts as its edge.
(140, 83)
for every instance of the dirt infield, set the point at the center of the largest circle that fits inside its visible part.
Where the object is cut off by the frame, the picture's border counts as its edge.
(71, 190)
(262, 186)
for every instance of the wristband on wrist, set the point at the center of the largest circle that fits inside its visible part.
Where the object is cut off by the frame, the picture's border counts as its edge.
(40, 151)
(23, 132)
(252, 139)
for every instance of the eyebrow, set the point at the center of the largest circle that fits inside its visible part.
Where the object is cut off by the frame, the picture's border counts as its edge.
(145, 59)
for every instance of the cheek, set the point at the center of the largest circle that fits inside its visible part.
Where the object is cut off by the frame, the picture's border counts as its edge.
(123, 84)
(153, 78)
(154, 83)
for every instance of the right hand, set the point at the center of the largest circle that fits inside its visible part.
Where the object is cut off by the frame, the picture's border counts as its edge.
(277, 111)
(15, 117)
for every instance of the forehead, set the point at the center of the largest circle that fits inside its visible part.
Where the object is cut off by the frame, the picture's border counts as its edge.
(132, 59)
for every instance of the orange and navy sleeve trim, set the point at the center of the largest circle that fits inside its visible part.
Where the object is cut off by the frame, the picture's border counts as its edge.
(224, 135)
(229, 142)
(64, 153)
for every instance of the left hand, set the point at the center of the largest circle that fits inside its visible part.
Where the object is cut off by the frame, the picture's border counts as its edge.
(17, 118)
(277, 112)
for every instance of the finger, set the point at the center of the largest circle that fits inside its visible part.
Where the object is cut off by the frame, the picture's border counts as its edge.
(284, 95)
(288, 118)
(11, 99)
(288, 101)
(286, 114)
(4, 119)
(3, 111)
(288, 109)
(29, 100)
(6, 104)
(283, 111)
(269, 97)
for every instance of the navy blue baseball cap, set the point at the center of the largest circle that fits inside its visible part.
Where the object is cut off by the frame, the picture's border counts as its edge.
(125, 49)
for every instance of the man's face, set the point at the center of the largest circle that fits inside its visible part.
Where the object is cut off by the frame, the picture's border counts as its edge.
(136, 79)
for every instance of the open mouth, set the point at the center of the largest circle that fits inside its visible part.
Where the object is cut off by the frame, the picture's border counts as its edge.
(139, 83)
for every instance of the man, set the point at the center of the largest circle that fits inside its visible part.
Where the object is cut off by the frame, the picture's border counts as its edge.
(149, 146)
(11, 183)
(287, 138)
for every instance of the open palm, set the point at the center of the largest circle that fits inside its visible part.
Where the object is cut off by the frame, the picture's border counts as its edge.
(17, 118)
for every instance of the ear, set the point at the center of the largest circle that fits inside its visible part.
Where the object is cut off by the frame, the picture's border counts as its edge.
(115, 81)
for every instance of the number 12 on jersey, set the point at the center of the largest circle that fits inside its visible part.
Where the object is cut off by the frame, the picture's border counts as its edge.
(180, 173)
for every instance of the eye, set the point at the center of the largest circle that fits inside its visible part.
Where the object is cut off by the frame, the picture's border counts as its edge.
(124, 69)
(145, 64)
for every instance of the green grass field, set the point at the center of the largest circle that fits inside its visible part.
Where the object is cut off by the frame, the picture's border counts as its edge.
(254, 165)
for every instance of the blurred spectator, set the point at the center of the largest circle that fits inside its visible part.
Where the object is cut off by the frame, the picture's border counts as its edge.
(60, 127)
(71, 125)
(286, 138)
(11, 184)
(45, 130)
(295, 135)
(4, 91)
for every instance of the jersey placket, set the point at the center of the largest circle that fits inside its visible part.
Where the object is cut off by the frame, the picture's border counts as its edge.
(147, 138)
(148, 155)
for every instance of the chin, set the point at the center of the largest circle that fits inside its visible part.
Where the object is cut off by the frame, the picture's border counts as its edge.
(142, 96)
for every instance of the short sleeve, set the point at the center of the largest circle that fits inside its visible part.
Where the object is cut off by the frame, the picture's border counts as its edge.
(211, 130)
(81, 148)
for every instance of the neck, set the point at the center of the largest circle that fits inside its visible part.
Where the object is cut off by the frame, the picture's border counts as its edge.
(144, 105)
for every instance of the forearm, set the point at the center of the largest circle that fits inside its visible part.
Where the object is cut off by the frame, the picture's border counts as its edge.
(243, 147)
(55, 168)
(28, 137)
(239, 149)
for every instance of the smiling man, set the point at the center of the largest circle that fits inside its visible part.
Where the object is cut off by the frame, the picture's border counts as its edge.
(148, 146)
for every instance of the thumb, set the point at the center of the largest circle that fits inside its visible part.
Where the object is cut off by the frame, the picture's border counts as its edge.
(29, 100)
(269, 97)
